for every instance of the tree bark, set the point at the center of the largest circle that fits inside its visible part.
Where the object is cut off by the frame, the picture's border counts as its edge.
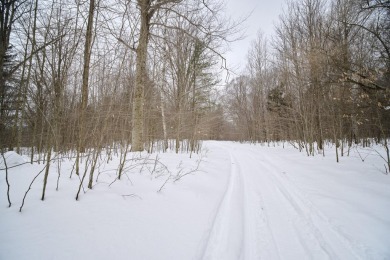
(140, 78)
(87, 59)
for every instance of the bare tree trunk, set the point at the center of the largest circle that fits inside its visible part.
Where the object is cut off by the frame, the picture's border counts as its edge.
(6, 179)
(8, 11)
(164, 123)
(140, 78)
(84, 91)
(46, 170)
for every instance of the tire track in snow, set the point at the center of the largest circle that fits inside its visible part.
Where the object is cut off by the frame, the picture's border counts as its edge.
(240, 215)
(256, 231)
(263, 216)
(259, 242)
(226, 236)
(331, 238)
(312, 228)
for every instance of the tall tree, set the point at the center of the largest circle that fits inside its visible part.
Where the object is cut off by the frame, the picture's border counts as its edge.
(210, 26)
(10, 11)
(85, 78)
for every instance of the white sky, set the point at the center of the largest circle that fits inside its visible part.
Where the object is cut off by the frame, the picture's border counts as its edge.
(265, 13)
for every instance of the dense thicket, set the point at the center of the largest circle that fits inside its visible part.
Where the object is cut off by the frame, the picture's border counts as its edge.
(325, 76)
(87, 78)
(75, 67)
(73, 78)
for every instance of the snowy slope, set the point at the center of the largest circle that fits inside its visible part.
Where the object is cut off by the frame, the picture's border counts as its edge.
(246, 202)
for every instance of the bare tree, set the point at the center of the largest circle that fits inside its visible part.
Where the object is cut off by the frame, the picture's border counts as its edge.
(10, 12)
(152, 14)
(84, 90)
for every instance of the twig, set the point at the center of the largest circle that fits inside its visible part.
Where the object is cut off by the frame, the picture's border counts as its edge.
(59, 173)
(131, 195)
(116, 178)
(6, 179)
(179, 175)
(196, 169)
(29, 187)
(166, 181)
(125, 173)
(155, 164)
(71, 172)
(363, 159)
(87, 163)
(36, 161)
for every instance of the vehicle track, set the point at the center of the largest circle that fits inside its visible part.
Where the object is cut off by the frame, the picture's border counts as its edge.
(263, 216)
(226, 236)
(327, 234)
(240, 228)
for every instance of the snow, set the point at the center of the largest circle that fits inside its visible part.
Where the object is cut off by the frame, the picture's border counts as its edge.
(12, 159)
(245, 202)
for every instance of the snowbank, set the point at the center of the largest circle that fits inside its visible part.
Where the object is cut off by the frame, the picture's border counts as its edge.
(12, 159)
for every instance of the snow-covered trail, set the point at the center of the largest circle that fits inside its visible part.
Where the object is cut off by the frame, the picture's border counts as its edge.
(263, 216)
(245, 202)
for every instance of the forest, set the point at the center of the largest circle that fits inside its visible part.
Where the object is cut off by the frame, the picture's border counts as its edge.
(79, 77)
(127, 133)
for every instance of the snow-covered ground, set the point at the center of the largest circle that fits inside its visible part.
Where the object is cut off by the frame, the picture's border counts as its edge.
(245, 202)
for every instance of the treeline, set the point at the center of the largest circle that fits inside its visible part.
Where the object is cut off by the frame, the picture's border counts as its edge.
(325, 76)
(86, 78)
(81, 75)
(76, 73)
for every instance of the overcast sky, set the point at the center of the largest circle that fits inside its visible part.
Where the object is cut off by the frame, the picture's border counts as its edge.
(264, 15)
